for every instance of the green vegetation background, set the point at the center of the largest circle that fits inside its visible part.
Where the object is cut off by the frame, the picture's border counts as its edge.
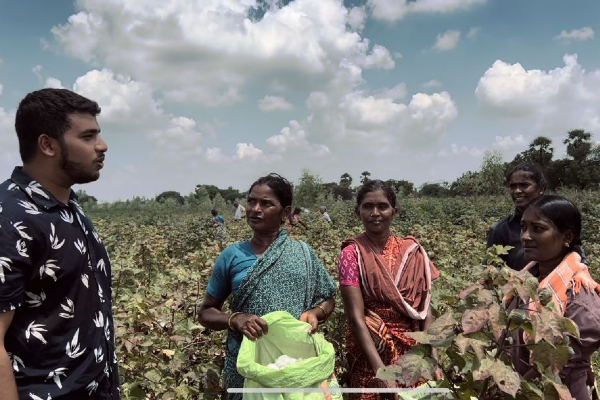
(162, 257)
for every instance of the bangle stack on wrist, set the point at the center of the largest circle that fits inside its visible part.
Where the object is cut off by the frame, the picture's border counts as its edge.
(325, 315)
(230, 319)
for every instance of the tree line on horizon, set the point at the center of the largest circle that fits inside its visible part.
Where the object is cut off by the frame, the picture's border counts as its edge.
(579, 169)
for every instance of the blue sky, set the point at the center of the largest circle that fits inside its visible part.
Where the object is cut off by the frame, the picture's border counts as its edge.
(208, 92)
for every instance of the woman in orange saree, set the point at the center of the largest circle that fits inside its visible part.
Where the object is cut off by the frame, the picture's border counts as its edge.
(385, 281)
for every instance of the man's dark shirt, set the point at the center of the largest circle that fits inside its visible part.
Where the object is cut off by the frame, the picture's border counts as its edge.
(55, 273)
(507, 232)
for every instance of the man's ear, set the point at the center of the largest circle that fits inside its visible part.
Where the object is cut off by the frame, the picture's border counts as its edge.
(47, 145)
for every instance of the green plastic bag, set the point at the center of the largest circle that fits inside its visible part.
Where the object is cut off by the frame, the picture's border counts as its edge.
(288, 336)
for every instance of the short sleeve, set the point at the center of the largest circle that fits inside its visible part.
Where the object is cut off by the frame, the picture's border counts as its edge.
(325, 285)
(14, 266)
(219, 285)
(348, 267)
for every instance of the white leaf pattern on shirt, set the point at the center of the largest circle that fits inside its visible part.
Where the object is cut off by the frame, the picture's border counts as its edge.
(92, 387)
(101, 266)
(47, 269)
(54, 240)
(69, 308)
(100, 294)
(35, 330)
(99, 320)
(4, 263)
(22, 248)
(80, 246)
(21, 230)
(99, 354)
(36, 188)
(73, 346)
(66, 216)
(30, 208)
(82, 225)
(34, 397)
(36, 300)
(84, 279)
(56, 374)
(16, 361)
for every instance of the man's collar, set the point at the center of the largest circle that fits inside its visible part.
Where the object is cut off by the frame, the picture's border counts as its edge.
(36, 192)
(516, 216)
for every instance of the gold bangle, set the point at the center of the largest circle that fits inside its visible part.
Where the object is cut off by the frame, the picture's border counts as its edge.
(231, 318)
(325, 315)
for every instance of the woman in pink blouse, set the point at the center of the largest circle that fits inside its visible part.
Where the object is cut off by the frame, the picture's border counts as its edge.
(385, 281)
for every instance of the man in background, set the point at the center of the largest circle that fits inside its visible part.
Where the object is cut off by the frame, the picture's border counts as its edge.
(240, 211)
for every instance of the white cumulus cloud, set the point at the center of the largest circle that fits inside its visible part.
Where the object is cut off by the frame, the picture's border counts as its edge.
(432, 84)
(120, 97)
(510, 142)
(207, 52)
(274, 103)
(473, 33)
(585, 33)
(9, 145)
(447, 41)
(562, 98)
(393, 10)
(293, 138)
(247, 151)
(457, 150)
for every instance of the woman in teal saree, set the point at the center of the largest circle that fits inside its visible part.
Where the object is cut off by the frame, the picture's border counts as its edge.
(269, 272)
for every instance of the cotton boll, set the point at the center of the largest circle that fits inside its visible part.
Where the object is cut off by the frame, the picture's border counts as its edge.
(273, 366)
(284, 360)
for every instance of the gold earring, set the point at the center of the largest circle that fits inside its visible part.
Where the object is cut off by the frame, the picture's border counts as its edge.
(567, 244)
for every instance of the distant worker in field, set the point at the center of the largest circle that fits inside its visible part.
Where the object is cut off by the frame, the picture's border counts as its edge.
(551, 239)
(220, 231)
(240, 211)
(386, 282)
(325, 215)
(294, 218)
(526, 182)
(269, 272)
(56, 325)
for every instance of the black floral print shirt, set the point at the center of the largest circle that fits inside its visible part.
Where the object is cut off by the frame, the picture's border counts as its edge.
(55, 274)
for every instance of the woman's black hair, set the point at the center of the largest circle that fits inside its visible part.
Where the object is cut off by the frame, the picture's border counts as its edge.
(564, 215)
(214, 212)
(281, 187)
(372, 186)
(535, 171)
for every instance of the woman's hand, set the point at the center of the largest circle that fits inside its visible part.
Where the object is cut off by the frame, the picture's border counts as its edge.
(388, 385)
(250, 325)
(310, 316)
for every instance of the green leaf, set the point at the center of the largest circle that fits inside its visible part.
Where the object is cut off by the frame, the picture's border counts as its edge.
(549, 326)
(529, 391)
(439, 334)
(506, 378)
(554, 390)
(411, 367)
(474, 320)
(464, 343)
(498, 320)
(554, 357)
(152, 376)
(572, 328)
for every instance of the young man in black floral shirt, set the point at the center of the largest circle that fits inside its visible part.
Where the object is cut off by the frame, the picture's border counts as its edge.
(56, 326)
